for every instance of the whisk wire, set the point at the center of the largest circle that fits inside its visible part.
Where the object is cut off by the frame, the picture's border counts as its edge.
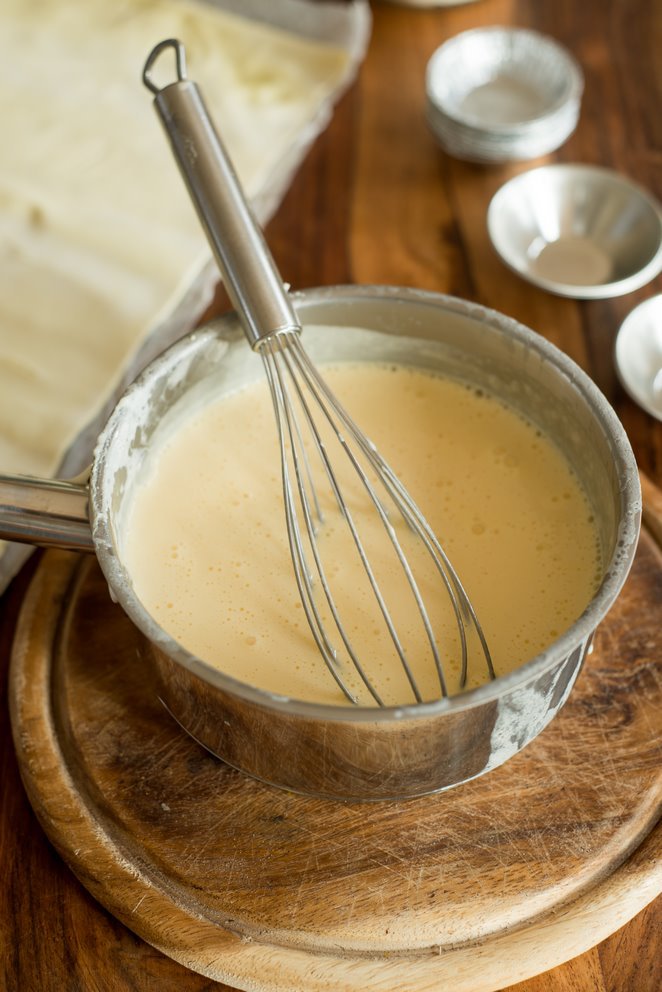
(456, 590)
(299, 368)
(463, 610)
(288, 430)
(308, 373)
(288, 357)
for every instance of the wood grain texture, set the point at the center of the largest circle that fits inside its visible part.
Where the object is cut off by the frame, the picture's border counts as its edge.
(494, 881)
(376, 200)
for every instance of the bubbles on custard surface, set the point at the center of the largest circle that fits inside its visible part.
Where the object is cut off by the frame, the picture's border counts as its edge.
(238, 533)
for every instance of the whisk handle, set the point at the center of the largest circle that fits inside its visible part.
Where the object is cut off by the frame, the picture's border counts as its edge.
(247, 266)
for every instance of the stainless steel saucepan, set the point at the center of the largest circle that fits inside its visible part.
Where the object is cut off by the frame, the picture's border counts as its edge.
(350, 752)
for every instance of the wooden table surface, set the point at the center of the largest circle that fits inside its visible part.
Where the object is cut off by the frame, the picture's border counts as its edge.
(378, 202)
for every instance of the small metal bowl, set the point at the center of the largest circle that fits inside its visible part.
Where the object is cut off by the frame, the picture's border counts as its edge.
(577, 230)
(639, 355)
(497, 94)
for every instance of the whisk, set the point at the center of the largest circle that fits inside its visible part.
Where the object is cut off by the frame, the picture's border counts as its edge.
(307, 414)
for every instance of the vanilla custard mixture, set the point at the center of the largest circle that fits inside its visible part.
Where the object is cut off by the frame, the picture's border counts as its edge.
(206, 544)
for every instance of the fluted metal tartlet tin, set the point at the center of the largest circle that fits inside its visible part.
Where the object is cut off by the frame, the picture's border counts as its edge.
(501, 94)
(348, 752)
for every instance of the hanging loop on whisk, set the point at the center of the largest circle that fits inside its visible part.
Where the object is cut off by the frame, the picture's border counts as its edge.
(180, 63)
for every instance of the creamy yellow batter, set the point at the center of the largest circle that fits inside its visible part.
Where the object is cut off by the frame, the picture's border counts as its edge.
(206, 544)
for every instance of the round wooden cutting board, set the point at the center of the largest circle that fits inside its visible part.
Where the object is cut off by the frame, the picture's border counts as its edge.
(474, 889)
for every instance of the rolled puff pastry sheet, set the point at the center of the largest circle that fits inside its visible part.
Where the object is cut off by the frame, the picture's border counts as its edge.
(102, 257)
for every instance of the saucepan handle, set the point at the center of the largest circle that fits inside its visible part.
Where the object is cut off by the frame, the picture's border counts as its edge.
(46, 512)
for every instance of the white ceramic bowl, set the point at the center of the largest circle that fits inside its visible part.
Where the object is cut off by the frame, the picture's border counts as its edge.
(577, 230)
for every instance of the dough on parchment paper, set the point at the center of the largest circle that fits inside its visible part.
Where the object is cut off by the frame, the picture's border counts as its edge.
(98, 239)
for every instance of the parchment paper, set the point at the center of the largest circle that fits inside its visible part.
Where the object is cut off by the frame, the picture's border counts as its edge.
(344, 24)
